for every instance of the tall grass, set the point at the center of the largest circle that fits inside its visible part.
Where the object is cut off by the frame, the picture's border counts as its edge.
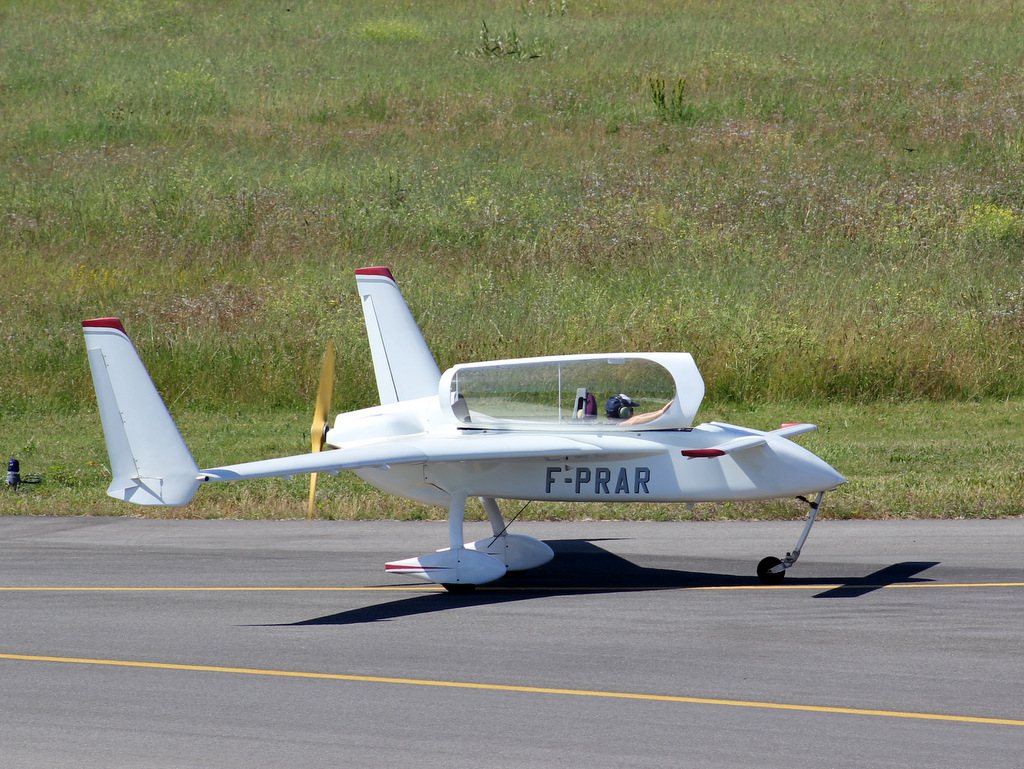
(830, 207)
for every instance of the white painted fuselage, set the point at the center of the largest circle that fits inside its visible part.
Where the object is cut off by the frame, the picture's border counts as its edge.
(622, 466)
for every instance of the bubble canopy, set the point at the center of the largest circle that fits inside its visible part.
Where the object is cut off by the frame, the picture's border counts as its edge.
(552, 392)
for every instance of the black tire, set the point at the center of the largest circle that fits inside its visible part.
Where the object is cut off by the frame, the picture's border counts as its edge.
(458, 588)
(765, 573)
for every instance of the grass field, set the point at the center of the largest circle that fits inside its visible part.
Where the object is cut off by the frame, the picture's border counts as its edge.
(823, 202)
(919, 460)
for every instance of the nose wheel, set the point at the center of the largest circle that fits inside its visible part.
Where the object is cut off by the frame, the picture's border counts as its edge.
(772, 570)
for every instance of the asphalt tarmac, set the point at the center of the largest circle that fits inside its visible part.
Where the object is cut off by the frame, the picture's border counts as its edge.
(150, 643)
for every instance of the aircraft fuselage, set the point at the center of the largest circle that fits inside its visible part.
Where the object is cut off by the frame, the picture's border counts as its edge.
(661, 473)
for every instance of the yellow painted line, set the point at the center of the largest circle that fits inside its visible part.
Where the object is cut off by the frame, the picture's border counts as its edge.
(853, 586)
(403, 588)
(488, 588)
(949, 584)
(518, 689)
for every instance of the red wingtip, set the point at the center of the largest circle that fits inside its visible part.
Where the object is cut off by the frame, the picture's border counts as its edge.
(382, 272)
(113, 323)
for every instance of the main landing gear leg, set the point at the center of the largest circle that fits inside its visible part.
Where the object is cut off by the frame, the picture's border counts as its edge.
(517, 551)
(457, 567)
(456, 520)
(772, 570)
(494, 516)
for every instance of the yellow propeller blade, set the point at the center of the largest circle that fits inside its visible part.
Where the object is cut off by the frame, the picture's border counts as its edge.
(318, 431)
(312, 496)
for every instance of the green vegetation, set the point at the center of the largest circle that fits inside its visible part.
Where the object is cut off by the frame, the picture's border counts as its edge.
(823, 202)
(922, 459)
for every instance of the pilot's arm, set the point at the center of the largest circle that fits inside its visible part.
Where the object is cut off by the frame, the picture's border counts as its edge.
(650, 416)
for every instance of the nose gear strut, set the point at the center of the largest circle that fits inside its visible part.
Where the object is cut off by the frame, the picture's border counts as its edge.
(772, 570)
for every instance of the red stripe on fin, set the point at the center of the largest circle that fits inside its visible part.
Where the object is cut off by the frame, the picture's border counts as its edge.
(113, 323)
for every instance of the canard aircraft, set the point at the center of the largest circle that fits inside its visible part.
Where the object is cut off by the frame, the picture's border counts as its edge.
(525, 429)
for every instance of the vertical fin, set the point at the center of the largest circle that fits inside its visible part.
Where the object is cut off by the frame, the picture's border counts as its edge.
(402, 362)
(149, 460)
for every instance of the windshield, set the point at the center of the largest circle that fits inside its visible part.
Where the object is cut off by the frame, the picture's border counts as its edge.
(590, 391)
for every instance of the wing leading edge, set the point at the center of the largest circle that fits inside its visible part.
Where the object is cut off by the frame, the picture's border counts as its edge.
(420, 450)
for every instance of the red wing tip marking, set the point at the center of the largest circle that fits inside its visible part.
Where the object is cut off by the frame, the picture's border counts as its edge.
(414, 569)
(702, 453)
(382, 272)
(113, 323)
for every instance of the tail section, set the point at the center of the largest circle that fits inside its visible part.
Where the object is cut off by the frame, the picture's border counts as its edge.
(149, 460)
(402, 362)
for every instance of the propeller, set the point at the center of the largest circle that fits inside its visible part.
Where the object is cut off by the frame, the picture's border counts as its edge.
(318, 431)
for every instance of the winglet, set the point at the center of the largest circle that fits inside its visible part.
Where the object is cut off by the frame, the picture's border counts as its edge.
(402, 362)
(746, 442)
(742, 443)
(150, 463)
(794, 428)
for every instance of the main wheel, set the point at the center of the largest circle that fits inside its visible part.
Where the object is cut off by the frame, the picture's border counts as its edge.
(765, 573)
(458, 587)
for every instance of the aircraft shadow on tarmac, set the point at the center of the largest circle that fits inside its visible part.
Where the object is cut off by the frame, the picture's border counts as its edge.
(581, 567)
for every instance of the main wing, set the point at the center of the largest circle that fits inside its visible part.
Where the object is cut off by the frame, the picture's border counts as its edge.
(425, 449)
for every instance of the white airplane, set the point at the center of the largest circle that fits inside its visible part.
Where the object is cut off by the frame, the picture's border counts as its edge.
(526, 429)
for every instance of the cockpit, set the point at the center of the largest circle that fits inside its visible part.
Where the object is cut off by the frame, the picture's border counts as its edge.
(588, 393)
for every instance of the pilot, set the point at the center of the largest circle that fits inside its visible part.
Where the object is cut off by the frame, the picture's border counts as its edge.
(619, 406)
(649, 416)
